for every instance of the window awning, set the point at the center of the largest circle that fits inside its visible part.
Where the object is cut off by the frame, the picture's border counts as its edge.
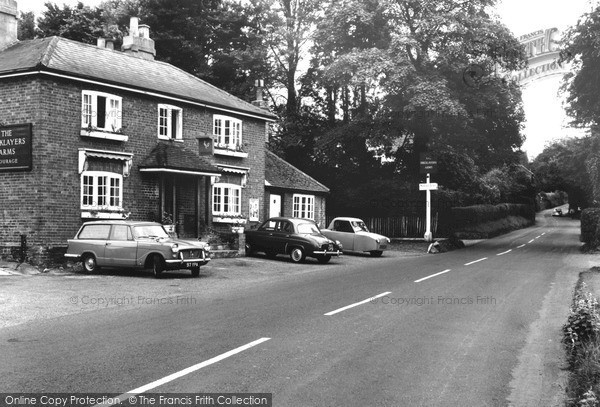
(84, 153)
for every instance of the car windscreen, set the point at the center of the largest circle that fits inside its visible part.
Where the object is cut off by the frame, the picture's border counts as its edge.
(359, 226)
(150, 231)
(308, 228)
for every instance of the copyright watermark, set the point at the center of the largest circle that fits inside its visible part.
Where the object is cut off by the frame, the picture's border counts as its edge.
(433, 300)
(88, 300)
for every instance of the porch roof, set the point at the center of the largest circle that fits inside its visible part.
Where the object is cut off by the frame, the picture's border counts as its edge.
(170, 156)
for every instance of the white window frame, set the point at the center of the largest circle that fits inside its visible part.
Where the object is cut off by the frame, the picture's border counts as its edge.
(303, 206)
(100, 193)
(220, 191)
(167, 134)
(227, 132)
(113, 111)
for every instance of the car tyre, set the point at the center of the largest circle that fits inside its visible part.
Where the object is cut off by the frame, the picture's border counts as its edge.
(89, 263)
(376, 253)
(324, 259)
(297, 255)
(195, 271)
(158, 265)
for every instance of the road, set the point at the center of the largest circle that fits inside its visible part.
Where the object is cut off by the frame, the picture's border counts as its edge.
(445, 329)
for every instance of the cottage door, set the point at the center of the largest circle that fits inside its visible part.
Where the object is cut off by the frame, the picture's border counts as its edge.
(275, 206)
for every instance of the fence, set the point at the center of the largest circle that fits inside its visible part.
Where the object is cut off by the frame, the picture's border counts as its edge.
(400, 226)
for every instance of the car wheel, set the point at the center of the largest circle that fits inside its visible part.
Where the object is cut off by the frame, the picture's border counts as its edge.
(376, 253)
(297, 255)
(195, 271)
(324, 259)
(157, 265)
(89, 263)
(271, 254)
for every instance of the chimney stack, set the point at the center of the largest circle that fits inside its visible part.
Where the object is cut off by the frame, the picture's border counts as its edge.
(259, 84)
(138, 42)
(8, 23)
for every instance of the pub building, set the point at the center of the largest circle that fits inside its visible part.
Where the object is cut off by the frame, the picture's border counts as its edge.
(88, 132)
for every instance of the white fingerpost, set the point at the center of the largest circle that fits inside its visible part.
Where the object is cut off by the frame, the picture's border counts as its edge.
(428, 234)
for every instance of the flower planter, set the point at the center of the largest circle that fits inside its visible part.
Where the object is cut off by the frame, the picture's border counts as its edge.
(225, 219)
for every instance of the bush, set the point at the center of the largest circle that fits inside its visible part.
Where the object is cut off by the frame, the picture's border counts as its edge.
(477, 214)
(589, 226)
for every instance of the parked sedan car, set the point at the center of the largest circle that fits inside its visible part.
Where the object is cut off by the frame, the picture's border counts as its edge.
(557, 212)
(355, 236)
(142, 245)
(298, 238)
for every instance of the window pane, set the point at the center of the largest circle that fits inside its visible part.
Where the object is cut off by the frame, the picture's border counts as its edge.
(120, 232)
(88, 190)
(115, 191)
(101, 113)
(99, 232)
(101, 191)
(87, 110)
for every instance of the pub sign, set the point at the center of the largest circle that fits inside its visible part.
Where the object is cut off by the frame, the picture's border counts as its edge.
(15, 147)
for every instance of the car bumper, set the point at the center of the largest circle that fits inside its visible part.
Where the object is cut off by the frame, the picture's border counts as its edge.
(328, 253)
(72, 256)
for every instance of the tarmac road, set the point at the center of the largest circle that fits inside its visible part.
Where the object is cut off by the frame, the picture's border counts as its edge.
(479, 326)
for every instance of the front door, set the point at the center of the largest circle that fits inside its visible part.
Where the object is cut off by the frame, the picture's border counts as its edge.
(275, 206)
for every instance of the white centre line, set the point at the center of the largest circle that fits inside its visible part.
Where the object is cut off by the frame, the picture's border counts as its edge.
(182, 373)
(357, 303)
(531, 241)
(433, 275)
(508, 251)
(518, 247)
(537, 237)
(475, 261)
(543, 233)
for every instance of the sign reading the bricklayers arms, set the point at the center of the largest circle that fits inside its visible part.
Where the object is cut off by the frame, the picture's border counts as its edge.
(15, 148)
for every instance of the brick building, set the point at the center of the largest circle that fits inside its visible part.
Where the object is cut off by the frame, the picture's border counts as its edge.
(88, 132)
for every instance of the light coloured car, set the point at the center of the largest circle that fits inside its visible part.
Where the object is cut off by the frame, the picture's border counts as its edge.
(355, 236)
(129, 244)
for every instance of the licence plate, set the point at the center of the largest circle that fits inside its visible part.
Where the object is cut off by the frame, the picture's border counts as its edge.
(192, 264)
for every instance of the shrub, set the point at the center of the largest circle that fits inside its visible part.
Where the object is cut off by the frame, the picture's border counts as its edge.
(589, 226)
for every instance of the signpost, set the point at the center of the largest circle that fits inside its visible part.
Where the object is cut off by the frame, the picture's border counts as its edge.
(15, 148)
(428, 165)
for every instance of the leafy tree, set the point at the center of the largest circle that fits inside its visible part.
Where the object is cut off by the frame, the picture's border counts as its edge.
(81, 23)
(581, 48)
(26, 29)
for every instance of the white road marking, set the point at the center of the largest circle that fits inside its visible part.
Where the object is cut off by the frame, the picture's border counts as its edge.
(531, 241)
(475, 261)
(357, 303)
(537, 237)
(508, 251)
(433, 275)
(183, 372)
(543, 233)
(518, 247)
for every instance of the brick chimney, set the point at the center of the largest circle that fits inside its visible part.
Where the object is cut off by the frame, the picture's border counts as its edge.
(259, 84)
(138, 42)
(8, 22)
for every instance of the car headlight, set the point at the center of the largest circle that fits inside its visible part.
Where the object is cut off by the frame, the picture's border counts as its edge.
(389, 241)
(174, 247)
(377, 241)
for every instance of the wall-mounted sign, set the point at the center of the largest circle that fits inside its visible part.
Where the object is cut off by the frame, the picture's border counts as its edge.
(15, 148)
(253, 211)
(205, 145)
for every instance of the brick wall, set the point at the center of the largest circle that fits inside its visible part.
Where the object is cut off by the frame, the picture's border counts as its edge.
(44, 204)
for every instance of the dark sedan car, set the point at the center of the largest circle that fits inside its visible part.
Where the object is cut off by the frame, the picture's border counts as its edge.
(298, 238)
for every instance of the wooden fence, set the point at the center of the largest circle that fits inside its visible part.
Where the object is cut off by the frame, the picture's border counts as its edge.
(401, 226)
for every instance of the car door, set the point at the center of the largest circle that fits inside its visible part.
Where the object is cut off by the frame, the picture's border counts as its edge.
(121, 248)
(262, 238)
(92, 239)
(344, 232)
(281, 235)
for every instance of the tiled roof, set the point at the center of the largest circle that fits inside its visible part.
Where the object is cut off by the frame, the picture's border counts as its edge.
(281, 174)
(171, 156)
(60, 55)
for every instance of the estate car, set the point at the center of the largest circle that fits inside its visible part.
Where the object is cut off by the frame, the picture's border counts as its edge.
(141, 245)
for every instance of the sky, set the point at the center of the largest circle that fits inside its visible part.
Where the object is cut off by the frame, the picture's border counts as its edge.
(545, 118)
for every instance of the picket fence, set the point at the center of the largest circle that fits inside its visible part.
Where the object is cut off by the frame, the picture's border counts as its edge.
(408, 226)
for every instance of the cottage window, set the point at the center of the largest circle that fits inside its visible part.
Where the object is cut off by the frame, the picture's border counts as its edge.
(227, 199)
(101, 190)
(169, 122)
(303, 206)
(227, 132)
(101, 111)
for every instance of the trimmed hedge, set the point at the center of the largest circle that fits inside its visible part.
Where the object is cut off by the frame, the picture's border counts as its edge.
(589, 226)
(477, 214)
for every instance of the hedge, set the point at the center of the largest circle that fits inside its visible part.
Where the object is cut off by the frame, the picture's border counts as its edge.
(477, 214)
(589, 225)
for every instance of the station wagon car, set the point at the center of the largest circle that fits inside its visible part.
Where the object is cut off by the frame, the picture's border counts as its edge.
(355, 236)
(141, 245)
(298, 238)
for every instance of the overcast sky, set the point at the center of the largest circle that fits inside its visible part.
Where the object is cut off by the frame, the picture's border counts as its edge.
(545, 116)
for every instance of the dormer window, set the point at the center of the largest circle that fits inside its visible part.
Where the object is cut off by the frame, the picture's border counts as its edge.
(101, 111)
(170, 122)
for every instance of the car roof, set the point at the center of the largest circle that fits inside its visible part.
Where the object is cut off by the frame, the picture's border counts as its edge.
(293, 220)
(120, 222)
(348, 218)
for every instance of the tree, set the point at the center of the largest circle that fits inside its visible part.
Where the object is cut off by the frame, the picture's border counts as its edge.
(581, 84)
(81, 23)
(26, 29)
